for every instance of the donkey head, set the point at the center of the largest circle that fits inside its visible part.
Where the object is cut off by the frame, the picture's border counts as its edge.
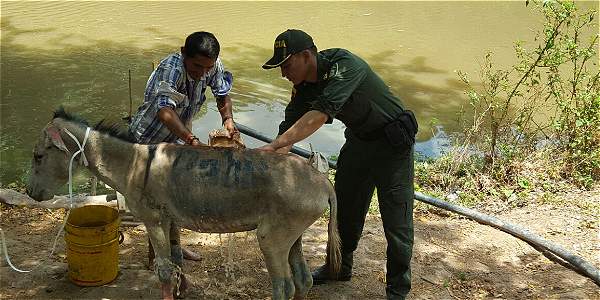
(49, 166)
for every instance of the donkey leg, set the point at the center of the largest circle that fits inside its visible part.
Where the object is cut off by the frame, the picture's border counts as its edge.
(177, 258)
(275, 247)
(176, 254)
(164, 268)
(300, 271)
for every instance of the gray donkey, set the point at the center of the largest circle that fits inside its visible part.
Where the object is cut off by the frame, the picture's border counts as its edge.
(218, 190)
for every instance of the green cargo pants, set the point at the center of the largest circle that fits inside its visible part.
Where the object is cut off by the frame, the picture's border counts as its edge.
(363, 166)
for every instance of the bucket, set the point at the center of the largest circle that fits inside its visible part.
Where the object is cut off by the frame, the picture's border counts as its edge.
(92, 242)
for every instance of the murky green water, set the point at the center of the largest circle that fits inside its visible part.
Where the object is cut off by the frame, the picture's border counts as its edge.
(78, 54)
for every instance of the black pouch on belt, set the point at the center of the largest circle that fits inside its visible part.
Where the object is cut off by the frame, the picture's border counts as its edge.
(401, 132)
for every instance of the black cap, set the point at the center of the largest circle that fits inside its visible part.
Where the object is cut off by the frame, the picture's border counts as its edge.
(287, 43)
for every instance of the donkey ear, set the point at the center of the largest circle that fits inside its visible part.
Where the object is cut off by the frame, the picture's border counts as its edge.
(56, 139)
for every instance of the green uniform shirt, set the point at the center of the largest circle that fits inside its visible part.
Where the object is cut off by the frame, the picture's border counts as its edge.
(346, 89)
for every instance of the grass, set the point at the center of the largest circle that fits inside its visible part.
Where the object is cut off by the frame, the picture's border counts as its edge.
(512, 182)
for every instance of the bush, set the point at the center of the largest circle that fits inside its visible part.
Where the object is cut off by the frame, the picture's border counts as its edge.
(549, 99)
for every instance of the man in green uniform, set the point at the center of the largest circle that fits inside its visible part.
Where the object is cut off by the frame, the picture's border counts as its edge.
(378, 152)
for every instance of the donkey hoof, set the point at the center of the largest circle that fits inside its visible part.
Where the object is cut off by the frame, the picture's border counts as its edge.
(167, 291)
(181, 291)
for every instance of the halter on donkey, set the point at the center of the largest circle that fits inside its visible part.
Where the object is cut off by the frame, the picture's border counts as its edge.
(217, 190)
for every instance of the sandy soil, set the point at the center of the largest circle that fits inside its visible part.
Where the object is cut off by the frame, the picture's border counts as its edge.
(453, 258)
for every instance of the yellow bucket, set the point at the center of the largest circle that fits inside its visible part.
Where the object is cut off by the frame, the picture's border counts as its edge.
(92, 242)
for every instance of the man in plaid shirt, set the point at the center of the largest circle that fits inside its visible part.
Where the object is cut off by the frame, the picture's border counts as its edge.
(174, 94)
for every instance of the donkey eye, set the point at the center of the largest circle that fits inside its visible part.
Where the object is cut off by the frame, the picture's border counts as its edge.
(38, 157)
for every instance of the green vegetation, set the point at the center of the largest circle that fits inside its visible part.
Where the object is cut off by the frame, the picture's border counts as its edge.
(531, 130)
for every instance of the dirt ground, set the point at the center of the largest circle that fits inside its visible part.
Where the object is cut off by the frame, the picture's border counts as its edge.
(454, 258)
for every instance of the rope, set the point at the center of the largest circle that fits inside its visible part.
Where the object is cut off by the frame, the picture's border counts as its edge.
(6, 254)
(60, 230)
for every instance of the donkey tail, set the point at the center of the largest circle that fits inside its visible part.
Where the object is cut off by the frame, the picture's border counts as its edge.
(334, 257)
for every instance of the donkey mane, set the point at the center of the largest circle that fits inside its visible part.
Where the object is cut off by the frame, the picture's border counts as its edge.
(112, 129)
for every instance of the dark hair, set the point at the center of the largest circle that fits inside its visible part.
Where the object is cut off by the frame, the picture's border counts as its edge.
(203, 43)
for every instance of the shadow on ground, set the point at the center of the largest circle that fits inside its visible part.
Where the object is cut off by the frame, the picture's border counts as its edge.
(453, 258)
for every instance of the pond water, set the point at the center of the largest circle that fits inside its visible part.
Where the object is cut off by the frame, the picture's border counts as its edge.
(79, 54)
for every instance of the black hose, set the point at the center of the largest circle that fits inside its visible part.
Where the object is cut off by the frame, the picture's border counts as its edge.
(551, 250)
(576, 262)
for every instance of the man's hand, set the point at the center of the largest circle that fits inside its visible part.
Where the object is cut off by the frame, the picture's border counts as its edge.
(193, 140)
(225, 109)
(197, 142)
(231, 129)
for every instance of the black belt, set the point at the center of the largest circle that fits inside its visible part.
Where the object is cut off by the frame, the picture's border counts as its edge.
(372, 135)
(399, 132)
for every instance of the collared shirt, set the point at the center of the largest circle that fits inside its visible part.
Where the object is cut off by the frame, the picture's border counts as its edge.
(346, 89)
(170, 86)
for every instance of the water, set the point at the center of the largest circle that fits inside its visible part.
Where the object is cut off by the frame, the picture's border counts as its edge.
(78, 54)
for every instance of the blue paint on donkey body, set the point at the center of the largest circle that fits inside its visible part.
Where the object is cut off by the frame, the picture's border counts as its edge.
(227, 171)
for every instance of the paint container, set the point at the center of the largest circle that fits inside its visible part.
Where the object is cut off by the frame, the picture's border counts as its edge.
(92, 242)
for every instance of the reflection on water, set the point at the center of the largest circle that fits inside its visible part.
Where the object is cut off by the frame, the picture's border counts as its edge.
(78, 54)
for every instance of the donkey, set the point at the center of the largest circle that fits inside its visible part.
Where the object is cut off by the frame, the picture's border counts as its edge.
(206, 189)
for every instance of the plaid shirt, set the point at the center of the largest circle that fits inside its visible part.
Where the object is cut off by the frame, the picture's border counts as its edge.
(170, 86)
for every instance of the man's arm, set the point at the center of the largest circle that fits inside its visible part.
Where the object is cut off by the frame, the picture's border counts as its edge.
(303, 128)
(170, 118)
(225, 109)
(285, 149)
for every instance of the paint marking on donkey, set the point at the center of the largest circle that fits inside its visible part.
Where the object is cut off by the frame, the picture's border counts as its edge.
(207, 189)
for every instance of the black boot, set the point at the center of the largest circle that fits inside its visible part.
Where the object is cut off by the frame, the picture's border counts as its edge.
(321, 274)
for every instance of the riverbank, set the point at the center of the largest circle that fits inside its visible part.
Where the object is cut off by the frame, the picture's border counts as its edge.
(453, 258)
